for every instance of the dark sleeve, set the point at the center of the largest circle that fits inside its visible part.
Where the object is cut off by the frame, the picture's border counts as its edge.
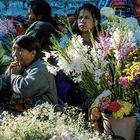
(4, 82)
(34, 84)
(43, 31)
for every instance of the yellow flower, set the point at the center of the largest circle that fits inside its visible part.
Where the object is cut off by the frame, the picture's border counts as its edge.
(125, 109)
(131, 71)
(118, 114)
(93, 106)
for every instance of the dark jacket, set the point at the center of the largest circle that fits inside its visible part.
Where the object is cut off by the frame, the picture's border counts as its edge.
(42, 31)
(33, 86)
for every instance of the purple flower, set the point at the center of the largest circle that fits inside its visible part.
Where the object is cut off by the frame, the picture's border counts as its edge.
(3, 28)
(123, 82)
(10, 26)
(122, 55)
(136, 81)
(104, 44)
(7, 27)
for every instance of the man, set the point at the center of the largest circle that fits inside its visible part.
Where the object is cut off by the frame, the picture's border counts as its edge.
(42, 26)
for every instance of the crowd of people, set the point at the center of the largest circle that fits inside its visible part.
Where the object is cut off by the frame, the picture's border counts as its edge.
(27, 82)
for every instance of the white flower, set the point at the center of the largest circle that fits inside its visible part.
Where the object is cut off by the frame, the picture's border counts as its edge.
(66, 136)
(77, 79)
(137, 34)
(107, 12)
(55, 137)
(47, 55)
(116, 38)
(105, 93)
(64, 65)
(52, 69)
(132, 22)
(98, 74)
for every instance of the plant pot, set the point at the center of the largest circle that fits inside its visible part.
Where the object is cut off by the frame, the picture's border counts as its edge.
(124, 127)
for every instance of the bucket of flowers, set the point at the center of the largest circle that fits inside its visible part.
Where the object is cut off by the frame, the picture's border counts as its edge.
(116, 115)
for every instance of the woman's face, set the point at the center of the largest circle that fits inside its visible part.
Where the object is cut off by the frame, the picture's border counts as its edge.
(31, 16)
(22, 56)
(85, 21)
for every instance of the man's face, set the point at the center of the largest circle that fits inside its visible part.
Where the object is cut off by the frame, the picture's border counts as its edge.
(31, 16)
(22, 56)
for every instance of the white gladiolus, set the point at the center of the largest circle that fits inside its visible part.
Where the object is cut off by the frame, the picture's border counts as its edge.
(132, 23)
(47, 55)
(116, 38)
(64, 66)
(83, 64)
(137, 34)
(77, 79)
(66, 135)
(52, 69)
(98, 74)
(107, 12)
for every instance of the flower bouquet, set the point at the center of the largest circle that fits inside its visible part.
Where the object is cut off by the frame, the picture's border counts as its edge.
(85, 67)
(116, 108)
(99, 68)
(123, 96)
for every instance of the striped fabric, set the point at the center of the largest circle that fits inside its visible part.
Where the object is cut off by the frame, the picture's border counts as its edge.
(123, 8)
(17, 103)
(102, 3)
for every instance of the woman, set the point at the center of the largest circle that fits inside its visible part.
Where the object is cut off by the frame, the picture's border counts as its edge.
(87, 21)
(28, 81)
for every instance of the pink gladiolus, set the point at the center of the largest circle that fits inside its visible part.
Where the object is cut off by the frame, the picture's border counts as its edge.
(123, 82)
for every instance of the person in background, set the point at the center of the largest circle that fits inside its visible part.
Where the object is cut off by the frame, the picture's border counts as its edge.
(27, 82)
(42, 26)
(40, 10)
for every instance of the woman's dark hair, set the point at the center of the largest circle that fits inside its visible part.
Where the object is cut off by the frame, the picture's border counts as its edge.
(42, 9)
(29, 43)
(95, 12)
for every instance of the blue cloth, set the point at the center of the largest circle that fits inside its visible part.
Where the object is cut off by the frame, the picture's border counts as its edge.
(102, 3)
(64, 85)
(64, 40)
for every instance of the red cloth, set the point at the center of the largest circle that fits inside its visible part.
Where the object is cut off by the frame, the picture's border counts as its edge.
(137, 8)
